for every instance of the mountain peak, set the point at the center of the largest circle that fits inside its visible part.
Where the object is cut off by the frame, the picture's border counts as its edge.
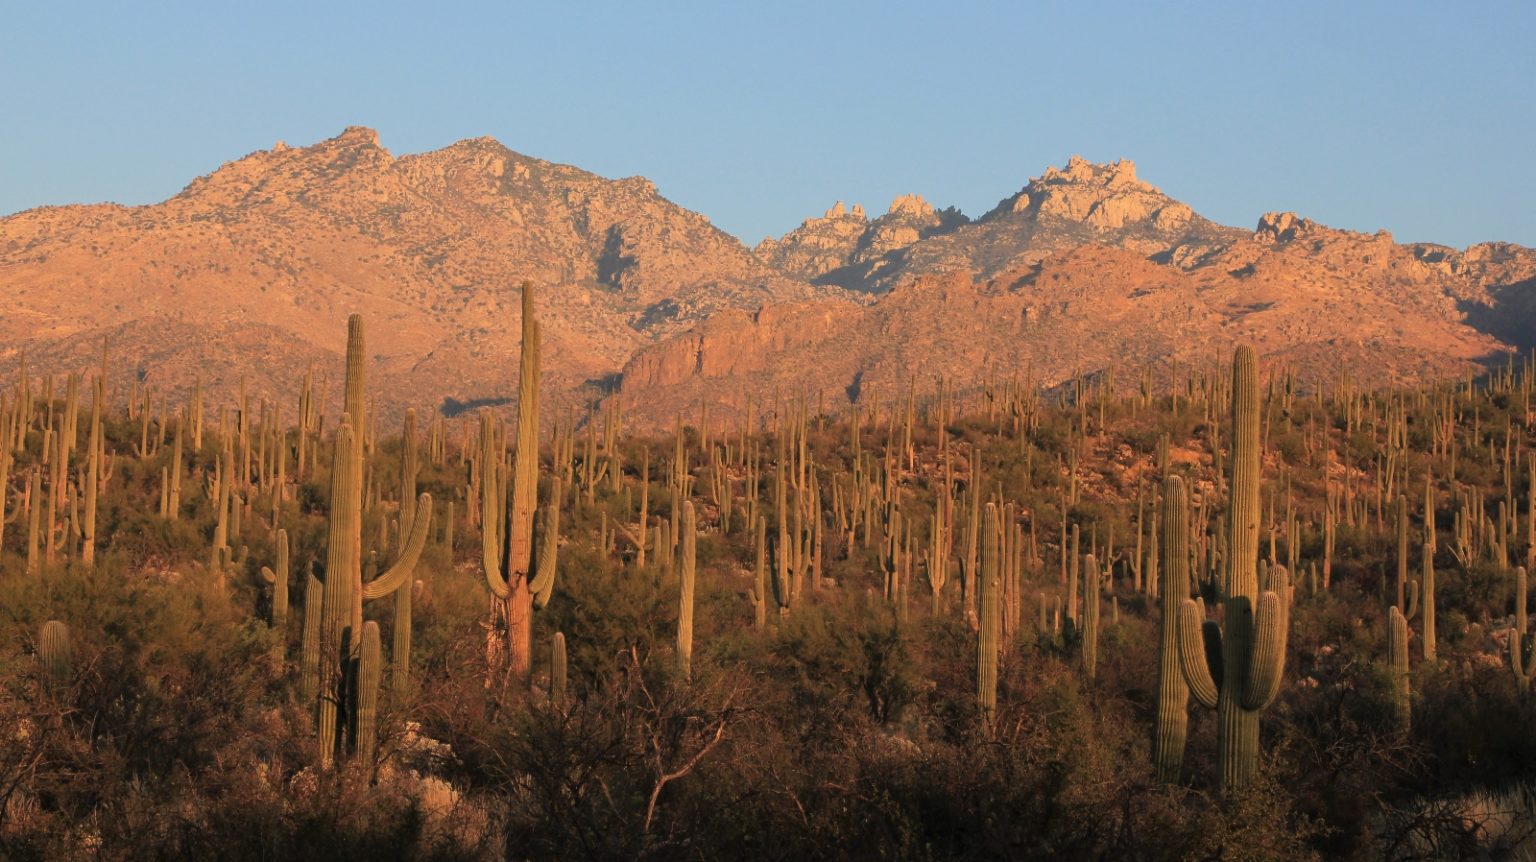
(1104, 197)
(357, 135)
(913, 205)
(840, 211)
(1282, 227)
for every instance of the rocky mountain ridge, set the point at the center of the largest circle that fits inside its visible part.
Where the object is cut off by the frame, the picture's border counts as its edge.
(251, 270)
(265, 257)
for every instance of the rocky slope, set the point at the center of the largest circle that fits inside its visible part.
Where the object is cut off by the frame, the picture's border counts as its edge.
(1310, 298)
(1063, 208)
(253, 269)
(842, 238)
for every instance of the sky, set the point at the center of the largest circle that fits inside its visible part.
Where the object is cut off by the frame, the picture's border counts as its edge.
(1414, 117)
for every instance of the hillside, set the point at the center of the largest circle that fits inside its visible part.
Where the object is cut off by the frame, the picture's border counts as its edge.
(250, 272)
(268, 254)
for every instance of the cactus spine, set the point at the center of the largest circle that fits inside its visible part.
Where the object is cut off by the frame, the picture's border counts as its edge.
(1172, 691)
(686, 577)
(1250, 648)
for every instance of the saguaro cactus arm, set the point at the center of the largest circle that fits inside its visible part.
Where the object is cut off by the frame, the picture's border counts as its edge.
(543, 584)
(1200, 653)
(400, 572)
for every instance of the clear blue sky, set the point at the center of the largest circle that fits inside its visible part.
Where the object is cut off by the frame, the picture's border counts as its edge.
(1416, 117)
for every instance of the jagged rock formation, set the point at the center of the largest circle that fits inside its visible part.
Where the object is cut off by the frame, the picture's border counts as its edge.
(840, 240)
(253, 269)
(1062, 208)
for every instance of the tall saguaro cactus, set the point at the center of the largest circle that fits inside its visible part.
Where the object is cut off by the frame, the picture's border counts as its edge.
(1249, 648)
(1397, 665)
(1524, 668)
(278, 580)
(991, 618)
(686, 577)
(1427, 590)
(1172, 690)
(508, 544)
(336, 602)
(368, 672)
(1092, 599)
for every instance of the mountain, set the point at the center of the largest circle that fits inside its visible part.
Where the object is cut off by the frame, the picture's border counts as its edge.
(1310, 298)
(253, 269)
(250, 272)
(1063, 208)
(822, 248)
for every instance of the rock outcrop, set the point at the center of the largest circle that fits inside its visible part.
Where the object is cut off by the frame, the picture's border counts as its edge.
(836, 242)
(1064, 207)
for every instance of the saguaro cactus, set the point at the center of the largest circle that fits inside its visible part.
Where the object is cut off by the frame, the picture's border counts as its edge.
(278, 580)
(1397, 664)
(1172, 691)
(508, 545)
(686, 575)
(991, 620)
(398, 581)
(369, 670)
(1092, 599)
(760, 577)
(557, 670)
(336, 603)
(1525, 669)
(53, 649)
(309, 660)
(1428, 591)
(1250, 648)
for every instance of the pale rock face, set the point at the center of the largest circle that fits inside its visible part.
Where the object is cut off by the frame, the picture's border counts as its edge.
(836, 211)
(889, 237)
(1173, 217)
(1282, 227)
(1105, 197)
(911, 205)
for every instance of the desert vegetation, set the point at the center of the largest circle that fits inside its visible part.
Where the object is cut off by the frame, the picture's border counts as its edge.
(1215, 613)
